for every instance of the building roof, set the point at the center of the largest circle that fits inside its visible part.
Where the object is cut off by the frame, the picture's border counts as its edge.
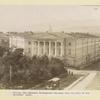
(53, 35)
(83, 35)
(61, 35)
(3, 35)
(37, 35)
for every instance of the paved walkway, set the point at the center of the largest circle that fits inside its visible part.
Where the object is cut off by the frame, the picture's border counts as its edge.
(91, 82)
(85, 82)
(95, 84)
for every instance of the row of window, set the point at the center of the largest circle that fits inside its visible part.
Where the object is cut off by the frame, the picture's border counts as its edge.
(47, 43)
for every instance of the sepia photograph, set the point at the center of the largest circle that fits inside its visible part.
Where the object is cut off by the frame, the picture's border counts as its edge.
(50, 47)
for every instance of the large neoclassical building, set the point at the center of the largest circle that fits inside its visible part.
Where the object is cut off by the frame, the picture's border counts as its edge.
(75, 48)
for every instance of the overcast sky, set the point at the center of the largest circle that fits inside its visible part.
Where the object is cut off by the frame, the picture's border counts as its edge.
(60, 18)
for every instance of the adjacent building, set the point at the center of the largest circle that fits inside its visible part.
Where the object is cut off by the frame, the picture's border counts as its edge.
(4, 40)
(74, 48)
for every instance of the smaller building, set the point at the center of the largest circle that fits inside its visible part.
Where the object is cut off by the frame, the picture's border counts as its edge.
(16, 40)
(4, 40)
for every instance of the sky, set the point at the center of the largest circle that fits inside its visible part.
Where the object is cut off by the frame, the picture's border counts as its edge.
(55, 18)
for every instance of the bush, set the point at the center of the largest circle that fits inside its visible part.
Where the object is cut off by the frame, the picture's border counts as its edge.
(2, 50)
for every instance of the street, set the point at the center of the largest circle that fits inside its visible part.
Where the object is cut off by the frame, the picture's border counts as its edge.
(92, 81)
(95, 83)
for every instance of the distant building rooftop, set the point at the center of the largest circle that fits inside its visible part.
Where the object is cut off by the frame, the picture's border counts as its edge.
(53, 35)
(3, 35)
(83, 35)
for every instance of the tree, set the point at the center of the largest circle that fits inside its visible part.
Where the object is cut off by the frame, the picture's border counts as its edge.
(2, 51)
(20, 69)
(56, 67)
(39, 70)
(10, 62)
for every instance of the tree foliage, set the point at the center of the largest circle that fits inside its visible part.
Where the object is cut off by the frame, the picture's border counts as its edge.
(2, 50)
(28, 70)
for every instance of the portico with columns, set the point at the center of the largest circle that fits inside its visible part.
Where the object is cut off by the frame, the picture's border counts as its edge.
(50, 48)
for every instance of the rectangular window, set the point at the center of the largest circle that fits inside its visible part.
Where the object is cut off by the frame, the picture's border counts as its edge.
(69, 43)
(29, 42)
(69, 51)
(29, 50)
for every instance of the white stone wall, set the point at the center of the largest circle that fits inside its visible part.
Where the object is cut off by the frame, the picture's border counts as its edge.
(83, 51)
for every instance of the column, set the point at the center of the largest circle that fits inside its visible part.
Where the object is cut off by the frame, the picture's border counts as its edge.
(38, 48)
(33, 48)
(10, 42)
(49, 48)
(55, 48)
(44, 47)
(62, 49)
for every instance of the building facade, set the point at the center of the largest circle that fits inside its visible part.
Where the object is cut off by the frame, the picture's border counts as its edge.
(4, 40)
(76, 49)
